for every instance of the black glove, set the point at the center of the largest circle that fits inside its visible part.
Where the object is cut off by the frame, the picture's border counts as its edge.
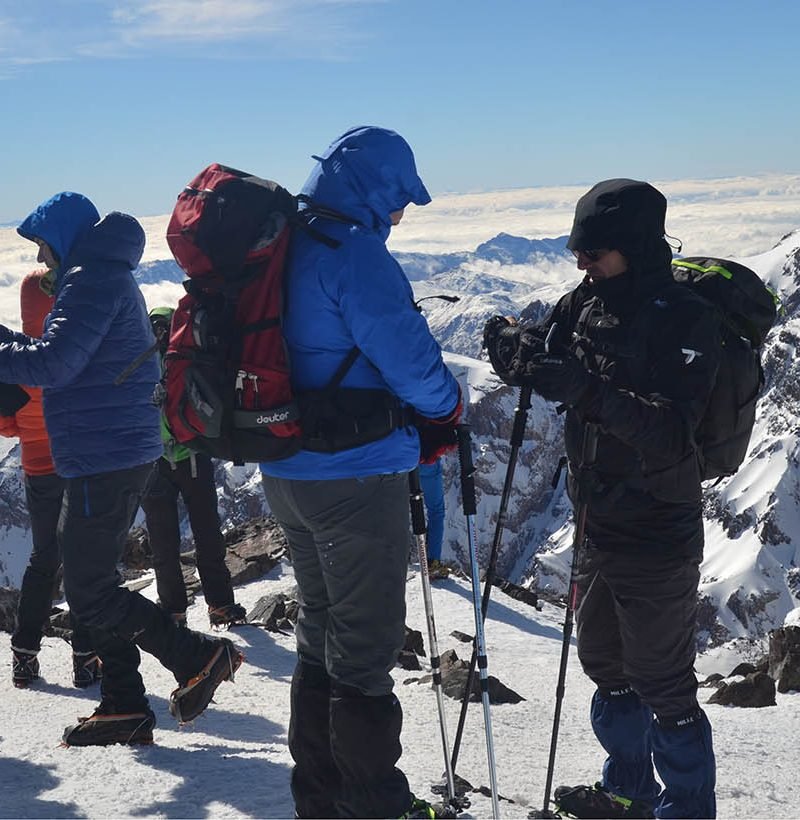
(12, 399)
(558, 377)
(501, 341)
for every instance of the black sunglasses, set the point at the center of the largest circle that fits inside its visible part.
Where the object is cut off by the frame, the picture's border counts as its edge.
(591, 255)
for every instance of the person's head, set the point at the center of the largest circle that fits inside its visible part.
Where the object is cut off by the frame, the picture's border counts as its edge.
(368, 173)
(46, 255)
(57, 225)
(161, 321)
(618, 224)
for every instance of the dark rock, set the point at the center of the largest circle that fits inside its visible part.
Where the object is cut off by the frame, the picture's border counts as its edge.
(461, 636)
(274, 612)
(461, 784)
(136, 553)
(408, 660)
(414, 642)
(743, 669)
(518, 593)
(712, 680)
(254, 548)
(454, 681)
(756, 690)
(784, 658)
(9, 601)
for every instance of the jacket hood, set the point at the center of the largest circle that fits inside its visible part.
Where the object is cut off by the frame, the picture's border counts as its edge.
(60, 221)
(367, 173)
(628, 216)
(35, 302)
(117, 237)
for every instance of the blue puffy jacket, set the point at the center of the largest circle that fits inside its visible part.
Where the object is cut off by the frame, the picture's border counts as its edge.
(358, 295)
(97, 327)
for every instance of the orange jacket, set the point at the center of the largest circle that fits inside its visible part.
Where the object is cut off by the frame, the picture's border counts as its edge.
(28, 423)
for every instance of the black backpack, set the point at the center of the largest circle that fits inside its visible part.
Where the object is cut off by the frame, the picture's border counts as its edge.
(747, 308)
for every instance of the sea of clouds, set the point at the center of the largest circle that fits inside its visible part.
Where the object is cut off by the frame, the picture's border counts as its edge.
(733, 217)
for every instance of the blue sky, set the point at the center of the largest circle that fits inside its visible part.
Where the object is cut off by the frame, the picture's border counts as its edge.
(126, 100)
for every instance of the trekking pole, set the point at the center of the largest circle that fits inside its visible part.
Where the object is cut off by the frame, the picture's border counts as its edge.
(517, 433)
(588, 455)
(419, 528)
(468, 502)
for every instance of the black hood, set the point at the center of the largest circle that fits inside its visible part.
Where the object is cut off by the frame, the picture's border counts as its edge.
(628, 216)
(621, 214)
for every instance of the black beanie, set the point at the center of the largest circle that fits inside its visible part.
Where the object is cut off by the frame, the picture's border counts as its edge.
(620, 214)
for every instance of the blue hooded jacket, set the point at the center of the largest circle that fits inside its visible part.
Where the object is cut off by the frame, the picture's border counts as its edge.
(97, 327)
(358, 295)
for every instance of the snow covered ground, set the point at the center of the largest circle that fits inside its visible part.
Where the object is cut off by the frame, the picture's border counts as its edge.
(234, 761)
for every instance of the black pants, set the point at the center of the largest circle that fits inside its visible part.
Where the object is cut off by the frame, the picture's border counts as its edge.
(160, 506)
(97, 513)
(44, 495)
(636, 626)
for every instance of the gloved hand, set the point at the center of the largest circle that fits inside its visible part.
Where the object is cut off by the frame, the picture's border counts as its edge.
(558, 377)
(438, 436)
(12, 399)
(501, 341)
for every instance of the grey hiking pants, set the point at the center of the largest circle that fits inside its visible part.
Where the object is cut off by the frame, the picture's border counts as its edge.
(349, 541)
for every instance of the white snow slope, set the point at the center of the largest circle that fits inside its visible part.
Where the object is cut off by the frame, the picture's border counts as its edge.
(234, 761)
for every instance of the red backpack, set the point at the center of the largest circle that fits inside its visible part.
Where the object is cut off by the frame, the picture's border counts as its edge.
(226, 374)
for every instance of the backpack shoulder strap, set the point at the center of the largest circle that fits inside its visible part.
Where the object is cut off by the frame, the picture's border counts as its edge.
(305, 215)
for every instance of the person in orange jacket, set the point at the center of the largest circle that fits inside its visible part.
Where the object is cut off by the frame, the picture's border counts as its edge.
(43, 492)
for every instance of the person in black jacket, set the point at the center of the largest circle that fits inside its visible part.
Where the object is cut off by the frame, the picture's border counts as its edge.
(635, 354)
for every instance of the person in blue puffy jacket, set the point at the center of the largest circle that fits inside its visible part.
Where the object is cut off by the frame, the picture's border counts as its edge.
(105, 439)
(343, 500)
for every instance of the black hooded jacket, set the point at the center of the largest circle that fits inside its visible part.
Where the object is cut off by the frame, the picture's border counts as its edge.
(655, 347)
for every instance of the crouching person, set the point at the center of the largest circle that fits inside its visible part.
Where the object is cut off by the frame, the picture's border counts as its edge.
(105, 439)
(636, 355)
(344, 502)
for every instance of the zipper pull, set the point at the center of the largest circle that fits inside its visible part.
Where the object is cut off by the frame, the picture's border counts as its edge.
(239, 387)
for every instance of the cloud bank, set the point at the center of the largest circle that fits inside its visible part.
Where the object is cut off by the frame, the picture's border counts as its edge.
(736, 217)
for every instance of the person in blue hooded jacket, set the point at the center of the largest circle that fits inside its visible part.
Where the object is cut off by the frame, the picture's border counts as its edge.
(344, 504)
(105, 440)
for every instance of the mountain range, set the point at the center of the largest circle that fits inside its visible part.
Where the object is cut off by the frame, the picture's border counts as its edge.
(751, 573)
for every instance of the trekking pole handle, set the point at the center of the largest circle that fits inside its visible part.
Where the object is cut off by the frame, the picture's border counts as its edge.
(521, 416)
(418, 524)
(467, 469)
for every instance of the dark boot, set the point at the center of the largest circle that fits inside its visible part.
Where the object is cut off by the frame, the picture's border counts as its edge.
(24, 667)
(315, 778)
(365, 740)
(108, 726)
(87, 668)
(198, 662)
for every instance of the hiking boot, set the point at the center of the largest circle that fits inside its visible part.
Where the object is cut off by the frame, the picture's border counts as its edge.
(24, 667)
(228, 615)
(422, 808)
(597, 802)
(106, 727)
(87, 668)
(189, 700)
